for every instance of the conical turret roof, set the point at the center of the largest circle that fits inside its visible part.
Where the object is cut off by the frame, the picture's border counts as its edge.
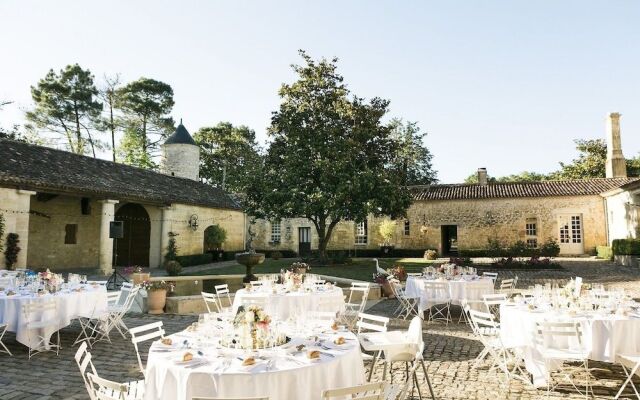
(180, 136)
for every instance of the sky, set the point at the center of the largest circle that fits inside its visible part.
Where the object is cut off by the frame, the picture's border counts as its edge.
(507, 85)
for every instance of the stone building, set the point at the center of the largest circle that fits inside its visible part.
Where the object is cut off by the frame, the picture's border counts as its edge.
(578, 214)
(61, 205)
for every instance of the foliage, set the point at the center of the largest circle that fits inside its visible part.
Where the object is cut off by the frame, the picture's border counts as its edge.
(398, 271)
(299, 267)
(172, 248)
(518, 249)
(590, 162)
(145, 105)
(494, 247)
(330, 157)
(535, 262)
(380, 278)
(604, 252)
(151, 286)
(173, 267)
(195, 259)
(132, 152)
(413, 160)
(66, 104)
(109, 121)
(550, 248)
(229, 156)
(461, 261)
(387, 230)
(214, 236)
(12, 249)
(626, 247)
(2, 225)
(276, 255)
(430, 254)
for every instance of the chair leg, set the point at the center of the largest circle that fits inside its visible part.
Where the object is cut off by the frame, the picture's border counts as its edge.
(426, 375)
(415, 382)
(629, 380)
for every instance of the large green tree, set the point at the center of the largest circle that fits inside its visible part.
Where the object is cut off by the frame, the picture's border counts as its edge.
(413, 158)
(66, 104)
(145, 105)
(525, 176)
(331, 158)
(229, 155)
(592, 156)
(110, 120)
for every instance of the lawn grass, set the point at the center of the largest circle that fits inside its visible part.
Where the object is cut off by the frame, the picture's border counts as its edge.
(361, 268)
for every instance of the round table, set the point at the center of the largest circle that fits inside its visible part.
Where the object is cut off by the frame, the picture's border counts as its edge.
(280, 372)
(461, 288)
(604, 334)
(284, 303)
(71, 303)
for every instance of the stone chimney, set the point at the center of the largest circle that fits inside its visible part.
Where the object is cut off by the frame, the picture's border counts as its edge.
(482, 176)
(616, 165)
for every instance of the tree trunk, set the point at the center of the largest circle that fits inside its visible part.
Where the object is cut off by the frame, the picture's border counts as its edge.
(113, 127)
(324, 235)
(80, 147)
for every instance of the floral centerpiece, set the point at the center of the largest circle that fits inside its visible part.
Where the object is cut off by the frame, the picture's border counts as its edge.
(399, 272)
(299, 267)
(252, 325)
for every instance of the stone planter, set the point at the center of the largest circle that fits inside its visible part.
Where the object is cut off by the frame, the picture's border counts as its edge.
(249, 260)
(139, 277)
(156, 300)
(386, 290)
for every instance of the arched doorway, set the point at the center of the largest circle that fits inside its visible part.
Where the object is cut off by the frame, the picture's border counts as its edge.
(133, 248)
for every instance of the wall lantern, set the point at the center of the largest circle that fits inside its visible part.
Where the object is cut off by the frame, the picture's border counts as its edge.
(193, 222)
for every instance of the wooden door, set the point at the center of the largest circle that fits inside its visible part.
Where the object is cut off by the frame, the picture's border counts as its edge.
(304, 241)
(133, 247)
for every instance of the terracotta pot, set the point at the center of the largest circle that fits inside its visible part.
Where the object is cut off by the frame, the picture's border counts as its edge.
(156, 300)
(139, 277)
(386, 290)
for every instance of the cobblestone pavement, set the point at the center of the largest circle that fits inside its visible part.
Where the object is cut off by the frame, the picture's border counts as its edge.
(449, 354)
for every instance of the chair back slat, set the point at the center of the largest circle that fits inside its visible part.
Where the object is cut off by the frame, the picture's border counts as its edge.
(369, 391)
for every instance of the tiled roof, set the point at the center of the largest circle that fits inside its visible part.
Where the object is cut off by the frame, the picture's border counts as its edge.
(180, 136)
(581, 187)
(38, 168)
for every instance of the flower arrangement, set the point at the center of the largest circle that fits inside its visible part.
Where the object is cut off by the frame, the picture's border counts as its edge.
(133, 269)
(299, 267)
(292, 278)
(380, 278)
(151, 286)
(398, 271)
(252, 315)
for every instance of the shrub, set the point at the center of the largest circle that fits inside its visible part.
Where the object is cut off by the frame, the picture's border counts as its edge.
(387, 229)
(519, 249)
(430, 254)
(550, 248)
(173, 267)
(604, 252)
(1, 230)
(214, 236)
(194, 259)
(12, 250)
(276, 255)
(494, 247)
(338, 257)
(172, 248)
(626, 247)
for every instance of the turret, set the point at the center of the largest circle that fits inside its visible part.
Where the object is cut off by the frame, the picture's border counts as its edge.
(181, 155)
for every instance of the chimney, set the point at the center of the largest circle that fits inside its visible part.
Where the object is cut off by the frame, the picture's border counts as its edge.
(482, 176)
(616, 165)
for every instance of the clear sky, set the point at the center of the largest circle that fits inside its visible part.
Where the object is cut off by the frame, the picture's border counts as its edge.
(505, 84)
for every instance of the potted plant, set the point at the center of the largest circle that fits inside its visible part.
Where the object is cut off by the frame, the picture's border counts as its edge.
(387, 230)
(11, 251)
(398, 272)
(137, 274)
(383, 280)
(157, 295)
(214, 237)
(430, 254)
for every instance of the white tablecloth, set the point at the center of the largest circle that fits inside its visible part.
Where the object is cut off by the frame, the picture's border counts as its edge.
(459, 289)
(287, 380)
(604, 335)
(70, 305)
(281, 306)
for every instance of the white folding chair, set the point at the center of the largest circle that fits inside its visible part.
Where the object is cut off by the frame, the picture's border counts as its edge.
(506, 286)
(3, 330)
(631, 366)
(493, 302)
(352, 307)
(117, 312)
(144, 333)
(91, 323)
(211, 302)
(368, 391)
(371, 323)
(228, 398)
(408, 305)
(104, 389)
(492, 275)
(438, 301)
(83, 359)
(41, 316)
(222, 292)
(561, 341)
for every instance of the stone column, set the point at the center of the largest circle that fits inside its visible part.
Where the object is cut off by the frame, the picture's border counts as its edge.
(105, 256)
(167, 215)
(22, 206)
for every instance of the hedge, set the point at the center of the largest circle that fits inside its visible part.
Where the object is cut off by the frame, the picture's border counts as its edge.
(195, 259)
(507, 253)
(604, 252)
(285, 253)
(626, 247)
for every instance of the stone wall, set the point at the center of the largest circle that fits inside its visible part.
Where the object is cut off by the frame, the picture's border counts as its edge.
(182, 160)
(47, 224)
(14, 206)
(623, 214)
(476, 221)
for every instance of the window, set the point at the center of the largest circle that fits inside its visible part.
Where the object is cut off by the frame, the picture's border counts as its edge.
(407, 228)
(70, 234)
(576, 229)
(531, 232)
(361, 232)
(275, 232)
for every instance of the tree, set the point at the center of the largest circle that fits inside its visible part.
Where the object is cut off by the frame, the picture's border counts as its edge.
(145, 105)
(331, 157)
(525, 176)
(108, 94)
(66, 104)
(12, 133)
(589, 164)
(229, 155)
(413, 159)
(131, 150)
